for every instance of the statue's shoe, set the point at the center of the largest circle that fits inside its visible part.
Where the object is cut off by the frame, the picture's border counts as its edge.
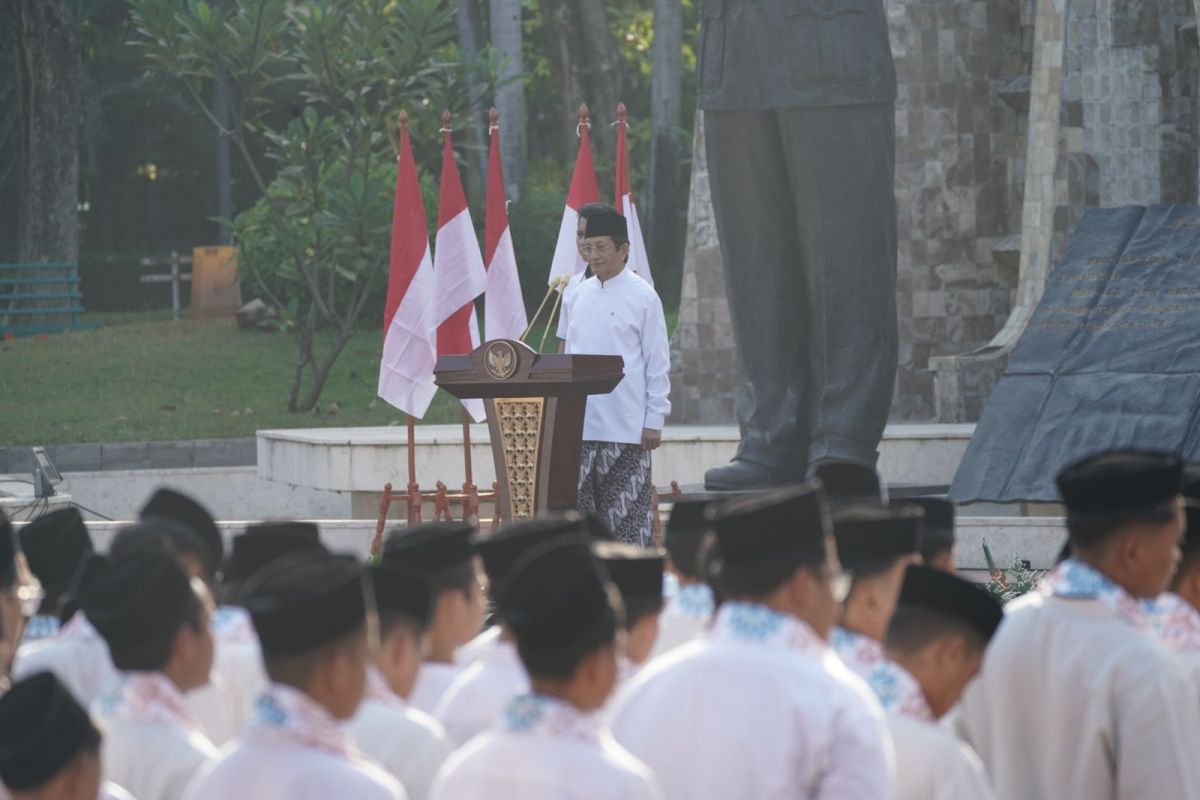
(739, 475)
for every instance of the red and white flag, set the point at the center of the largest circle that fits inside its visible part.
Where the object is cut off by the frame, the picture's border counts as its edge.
(584, 190)
(410, 317)
(504, 313)
(457, 268)
(639, 262)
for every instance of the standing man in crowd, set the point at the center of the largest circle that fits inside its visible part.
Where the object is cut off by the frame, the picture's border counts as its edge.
(618, 313)
(1076, 697)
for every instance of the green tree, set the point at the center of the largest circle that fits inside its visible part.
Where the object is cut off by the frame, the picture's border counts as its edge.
(316, 243)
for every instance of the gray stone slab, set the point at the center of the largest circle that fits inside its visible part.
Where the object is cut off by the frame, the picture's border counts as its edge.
(225, 452)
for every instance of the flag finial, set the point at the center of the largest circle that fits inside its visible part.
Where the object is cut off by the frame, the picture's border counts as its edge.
(494, 117)
(403, 119)
(622, 114)
(447, 119)
(584, 115)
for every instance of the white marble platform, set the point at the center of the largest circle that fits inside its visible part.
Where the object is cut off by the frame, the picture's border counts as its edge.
(364, 459)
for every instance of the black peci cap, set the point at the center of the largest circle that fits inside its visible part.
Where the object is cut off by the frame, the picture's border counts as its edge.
(136, 597)
(188, 512)
(782, 522)
(42, 728)
(848, 481)
(402, 593)
(636, 572)
(926, 587)
(501, 548)
(872, 538)
(304, 600)
(264, 542)
(1120, 482)
(938, 533)
(55, 544)
(556, 594)
(607, 222)
(429, 547)
(9, 547)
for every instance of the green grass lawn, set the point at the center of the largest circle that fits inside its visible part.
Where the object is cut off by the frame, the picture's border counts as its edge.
(141, 377)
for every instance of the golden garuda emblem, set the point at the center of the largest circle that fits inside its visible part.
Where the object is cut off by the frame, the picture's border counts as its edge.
(500, 360)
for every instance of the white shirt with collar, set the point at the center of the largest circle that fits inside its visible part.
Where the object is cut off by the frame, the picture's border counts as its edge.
(408, 743)
(77, 656)
(760, 707)
(479, 696)
(153, 746)
(225, 705)
(544, 749)
(433, 679)
(623, 316)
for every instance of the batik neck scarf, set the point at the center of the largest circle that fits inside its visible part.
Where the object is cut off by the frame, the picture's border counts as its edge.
(694, 601)
(751, 622)
(40, 627)
(232, 625)
(379, 691)
(290, 714)
(147, 697)
(897, 690)
(1074, 580)
(1175, 621)
(538, 715)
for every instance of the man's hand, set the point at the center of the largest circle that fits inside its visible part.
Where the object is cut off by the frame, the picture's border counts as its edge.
(651, 439)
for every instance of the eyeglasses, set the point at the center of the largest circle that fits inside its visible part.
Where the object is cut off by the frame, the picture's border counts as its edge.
(599, 248)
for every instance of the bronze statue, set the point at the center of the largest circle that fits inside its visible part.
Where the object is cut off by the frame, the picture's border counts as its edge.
(798, 99)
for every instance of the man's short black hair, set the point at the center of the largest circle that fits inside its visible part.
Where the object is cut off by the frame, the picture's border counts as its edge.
(757, 579)
(390, 621)
(913, 628)
(296, 669)
(151, 655)
(637, 610)
(684, 552)
(560, 662)
(1088, 530)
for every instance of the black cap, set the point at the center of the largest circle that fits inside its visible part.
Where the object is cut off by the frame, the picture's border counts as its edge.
(556, 594)
(926, 587)
(137, 597)
(688, 518)
(607, 222)
(304, 600)
(264, 542)
(186, 511)
(501, 548)
(781, 522)
(637, 573)
(872, 538)
(155, 533)
(55, 544)
(42, 728)
(850, 482)
(8, 552)
(401, 592)
(429, 547)
(1120, 482)
(938, 532)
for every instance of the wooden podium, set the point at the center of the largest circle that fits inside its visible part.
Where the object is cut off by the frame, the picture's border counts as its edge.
(535, 404)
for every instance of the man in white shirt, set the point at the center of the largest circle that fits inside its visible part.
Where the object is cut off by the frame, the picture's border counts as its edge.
(935, 642)
(690, 611)
(310, 611)
(54, 544)
(1175, 613)
(875, 544)
(442, 553)
(761, 706)
(49, 747)
(477, 697)
(551, 743)
(618, 313)
(638, 575)
(408, 743)
(155, 621)
(225, 706)
(1076, 697)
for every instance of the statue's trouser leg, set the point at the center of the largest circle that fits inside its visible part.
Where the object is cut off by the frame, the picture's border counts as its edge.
(806, 211)
(756, 214)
